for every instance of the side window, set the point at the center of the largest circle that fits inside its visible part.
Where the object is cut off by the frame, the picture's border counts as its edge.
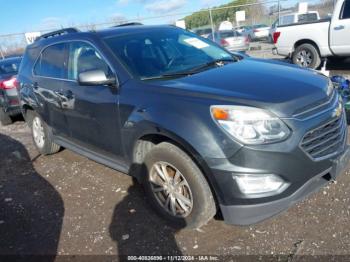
(307, 17)
(345, 13)
(288, 19)
(82, 58)
(51, 62)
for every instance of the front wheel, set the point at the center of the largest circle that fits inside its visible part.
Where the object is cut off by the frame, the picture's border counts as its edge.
(42, 134)
(176, 188)
(306, 55)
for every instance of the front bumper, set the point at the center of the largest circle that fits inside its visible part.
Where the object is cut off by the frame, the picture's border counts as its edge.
(274, 51)
(251, 214)
(289, 160)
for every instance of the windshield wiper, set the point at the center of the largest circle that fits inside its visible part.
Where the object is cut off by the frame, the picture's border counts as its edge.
(197, 69)
(216, 62)
(177, 74)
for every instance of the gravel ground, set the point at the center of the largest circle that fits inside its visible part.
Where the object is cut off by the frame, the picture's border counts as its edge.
(66, 204)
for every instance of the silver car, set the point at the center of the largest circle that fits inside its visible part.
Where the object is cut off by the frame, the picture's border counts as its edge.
(258, 32)
(231, 40)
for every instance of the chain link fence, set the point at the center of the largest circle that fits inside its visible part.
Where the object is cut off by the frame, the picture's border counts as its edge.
(203, 21)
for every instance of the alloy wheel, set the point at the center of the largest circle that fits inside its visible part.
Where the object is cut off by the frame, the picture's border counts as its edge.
(171, 189)
(304, 58)
(38, 132)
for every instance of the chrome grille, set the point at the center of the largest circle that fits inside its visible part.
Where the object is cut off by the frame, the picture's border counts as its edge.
(326, 140)
(317, 108)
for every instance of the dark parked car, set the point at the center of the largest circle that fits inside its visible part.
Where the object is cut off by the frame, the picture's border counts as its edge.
(202, 129)
(9, 102)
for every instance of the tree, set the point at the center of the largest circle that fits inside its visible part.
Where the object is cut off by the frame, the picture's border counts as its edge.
(253, 13)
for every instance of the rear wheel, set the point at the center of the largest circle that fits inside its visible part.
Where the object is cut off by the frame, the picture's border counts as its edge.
(5, 118)
(42, 134)
(306, 55)
(177, 188)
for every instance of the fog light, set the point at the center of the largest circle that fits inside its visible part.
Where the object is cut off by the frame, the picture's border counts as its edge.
(260, 184)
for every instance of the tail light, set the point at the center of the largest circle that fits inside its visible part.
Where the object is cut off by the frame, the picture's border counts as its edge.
(223, 42)
(255, 30)
(276, 35)
(9, 84)
(246, 40)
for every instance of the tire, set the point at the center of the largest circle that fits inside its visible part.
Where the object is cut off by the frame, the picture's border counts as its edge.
(45, 145)
(306, 55)
(5, 118)
(193, 186)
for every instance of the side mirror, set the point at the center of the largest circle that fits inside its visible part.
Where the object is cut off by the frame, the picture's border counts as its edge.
(94, 78)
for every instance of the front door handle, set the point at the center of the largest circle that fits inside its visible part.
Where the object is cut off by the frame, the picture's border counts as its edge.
(67, 99)
(339, 27)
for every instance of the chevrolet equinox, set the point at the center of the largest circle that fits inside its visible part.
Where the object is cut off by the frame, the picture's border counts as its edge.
(203, 130)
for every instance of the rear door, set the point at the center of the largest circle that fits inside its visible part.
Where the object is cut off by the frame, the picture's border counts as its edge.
(48, 78)
(340, 29)
(91, 111)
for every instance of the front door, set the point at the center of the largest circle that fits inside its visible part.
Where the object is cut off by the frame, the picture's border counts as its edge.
(340, 30)
(91, 111)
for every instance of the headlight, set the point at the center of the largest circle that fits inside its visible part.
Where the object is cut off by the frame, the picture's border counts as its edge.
(250, 125)
(330, 88)
(250, 184)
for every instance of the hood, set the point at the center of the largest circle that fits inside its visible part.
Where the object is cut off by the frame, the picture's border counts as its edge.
(276, 86)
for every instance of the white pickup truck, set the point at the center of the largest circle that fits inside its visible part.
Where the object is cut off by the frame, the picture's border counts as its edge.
(307, 43)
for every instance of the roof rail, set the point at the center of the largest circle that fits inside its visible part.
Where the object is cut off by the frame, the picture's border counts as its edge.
(59, 32)
(128, 24)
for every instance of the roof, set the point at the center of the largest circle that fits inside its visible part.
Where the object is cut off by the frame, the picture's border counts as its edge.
(69, 33)
(130, 29)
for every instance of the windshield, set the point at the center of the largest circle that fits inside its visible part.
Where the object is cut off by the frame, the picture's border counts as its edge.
(9, 67)
(227, 34)
(155, 53)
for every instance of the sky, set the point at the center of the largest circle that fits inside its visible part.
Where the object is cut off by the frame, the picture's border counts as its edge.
(35, 15)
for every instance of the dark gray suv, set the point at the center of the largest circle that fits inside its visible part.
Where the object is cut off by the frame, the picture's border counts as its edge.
(204, 130)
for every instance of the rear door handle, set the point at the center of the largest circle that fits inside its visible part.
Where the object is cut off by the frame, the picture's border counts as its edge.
(340, 27)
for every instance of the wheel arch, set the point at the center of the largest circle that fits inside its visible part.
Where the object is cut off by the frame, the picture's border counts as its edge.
(306, 41)
(25, 108)
(147, 141)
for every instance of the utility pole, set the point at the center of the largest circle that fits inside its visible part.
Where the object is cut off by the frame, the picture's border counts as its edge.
(212, 24)
(279, 11)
